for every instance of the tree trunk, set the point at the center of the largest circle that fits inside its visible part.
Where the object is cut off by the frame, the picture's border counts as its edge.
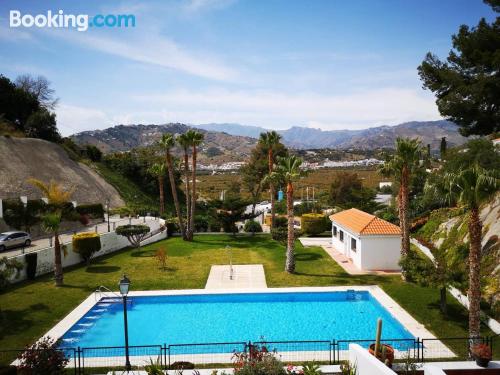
(271, 186)
(58, 270)
(186, 188)
(442, 302)
(474, 293)
(290, 250)
(403, 211)
(170, 169)
(193, 194)
(162, 195)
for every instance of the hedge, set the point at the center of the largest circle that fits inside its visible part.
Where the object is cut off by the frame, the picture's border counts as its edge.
(31, 261)
(252, 226)
(95, 211)
(313, 224)
(86, 244)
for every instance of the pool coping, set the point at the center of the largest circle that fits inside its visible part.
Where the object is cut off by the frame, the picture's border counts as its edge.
(417, 329)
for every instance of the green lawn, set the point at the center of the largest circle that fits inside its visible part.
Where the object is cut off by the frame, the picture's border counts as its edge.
(29, 309)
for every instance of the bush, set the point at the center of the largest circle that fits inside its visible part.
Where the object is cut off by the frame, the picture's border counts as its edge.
(252, 226)
(31, 260)
(95, 211)
(200, 223)
(258, 361)
(86, 244)
(280, 221)
(172, 226)
(182, 365)
(280, 234)
(313, 224)
(42, 358)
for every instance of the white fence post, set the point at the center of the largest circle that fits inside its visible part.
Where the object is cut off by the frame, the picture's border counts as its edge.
(1, 209)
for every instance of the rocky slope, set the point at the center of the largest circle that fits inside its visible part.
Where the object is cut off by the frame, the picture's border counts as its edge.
(218, 146)
(23, 158)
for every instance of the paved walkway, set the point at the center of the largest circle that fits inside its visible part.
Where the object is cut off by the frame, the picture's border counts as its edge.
(247, 276)
(341, 259)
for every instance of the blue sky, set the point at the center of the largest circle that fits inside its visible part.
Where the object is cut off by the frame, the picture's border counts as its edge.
(330, 64)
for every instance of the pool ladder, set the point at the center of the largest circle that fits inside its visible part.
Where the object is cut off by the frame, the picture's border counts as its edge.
(102, 292)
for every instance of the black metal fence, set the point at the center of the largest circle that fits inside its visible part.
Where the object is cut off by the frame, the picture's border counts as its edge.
(81, 360)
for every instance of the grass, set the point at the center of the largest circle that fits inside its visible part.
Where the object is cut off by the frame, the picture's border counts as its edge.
(31, 308)
(129, 191)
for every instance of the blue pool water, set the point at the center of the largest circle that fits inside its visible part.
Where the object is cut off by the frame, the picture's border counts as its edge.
(216, 318)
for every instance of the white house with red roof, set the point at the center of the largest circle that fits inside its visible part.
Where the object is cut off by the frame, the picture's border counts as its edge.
(370, 242)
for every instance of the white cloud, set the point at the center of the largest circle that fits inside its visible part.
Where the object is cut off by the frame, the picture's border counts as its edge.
(73, 119)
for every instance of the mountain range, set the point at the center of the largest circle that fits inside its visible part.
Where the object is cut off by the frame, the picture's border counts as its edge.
(233, 142)
(429, 132)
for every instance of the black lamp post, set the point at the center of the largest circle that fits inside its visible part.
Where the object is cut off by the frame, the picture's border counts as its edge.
(107, 211)
(124, 286)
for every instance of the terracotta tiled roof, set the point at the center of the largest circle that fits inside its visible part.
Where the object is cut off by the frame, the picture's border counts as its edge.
(364, 223)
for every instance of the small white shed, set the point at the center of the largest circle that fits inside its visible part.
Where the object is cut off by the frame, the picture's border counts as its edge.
(370, 242)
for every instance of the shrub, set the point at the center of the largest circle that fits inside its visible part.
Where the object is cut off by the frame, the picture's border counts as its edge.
(280, 234)
(280, 221)
(257, 361)
(182, 365)
(161, 257)
(252, 226)
(172, 226)
(95, 211)
(313, 224)
(42, 358)
(31, 260)
(86, 244)
(200, 223)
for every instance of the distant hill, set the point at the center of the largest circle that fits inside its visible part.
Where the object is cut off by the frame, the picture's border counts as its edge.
(218, 147)
(23, 158)
(372, 138)
(233, 129)
(233, 142)
(366, 139)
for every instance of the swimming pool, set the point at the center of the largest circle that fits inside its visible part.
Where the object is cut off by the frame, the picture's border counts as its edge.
(230, 317)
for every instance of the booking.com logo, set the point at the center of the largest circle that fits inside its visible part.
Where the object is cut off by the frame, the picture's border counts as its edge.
(80, 22)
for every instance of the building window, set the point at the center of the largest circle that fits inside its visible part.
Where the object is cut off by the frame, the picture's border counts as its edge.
(353, 244)
(334, 231)
(341, 235)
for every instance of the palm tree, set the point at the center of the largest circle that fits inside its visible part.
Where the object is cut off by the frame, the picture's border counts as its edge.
(269, 140)
(402, 165)
(471, 187)
(288, 169)
(185, 143)
(57, 196)
(196, 139)
(166, 143)
(158, 170)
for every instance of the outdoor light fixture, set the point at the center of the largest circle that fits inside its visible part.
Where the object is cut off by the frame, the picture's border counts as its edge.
(107, 212)
(124, 287)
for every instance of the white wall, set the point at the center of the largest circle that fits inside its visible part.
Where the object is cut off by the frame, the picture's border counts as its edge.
(381, 252)
(366, 363)
(433, 370)
(110, 242)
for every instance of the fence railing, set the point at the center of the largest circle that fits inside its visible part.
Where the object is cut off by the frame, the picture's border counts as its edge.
(80, 360)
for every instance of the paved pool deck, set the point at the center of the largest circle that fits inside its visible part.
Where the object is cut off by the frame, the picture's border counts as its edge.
(243, 276)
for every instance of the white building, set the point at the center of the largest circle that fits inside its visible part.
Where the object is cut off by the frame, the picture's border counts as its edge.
(370, 242)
